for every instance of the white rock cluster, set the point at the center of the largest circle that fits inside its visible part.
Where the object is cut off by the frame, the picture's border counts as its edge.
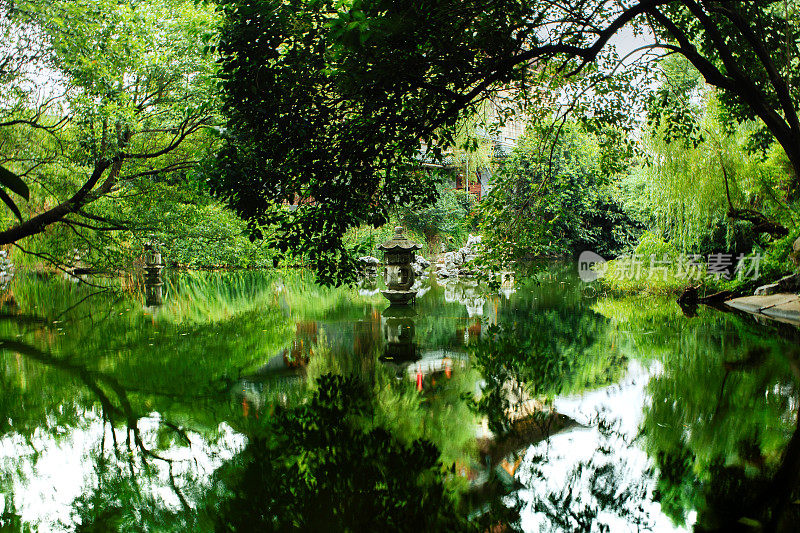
(420, 265)
(369, 265)
(6, 268)
(458, 263)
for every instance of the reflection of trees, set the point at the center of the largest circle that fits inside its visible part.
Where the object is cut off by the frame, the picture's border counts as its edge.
(722, 423)
(105, 353)
(69, 352)
(161, 365)
(597, 493)
(552, 352)
(116, 406)
(325, 466)
(436, 320)
(547, 342)
(119, 503)
(440, 415)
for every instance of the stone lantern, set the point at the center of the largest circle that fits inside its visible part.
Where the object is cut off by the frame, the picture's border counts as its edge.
(398, 254)
(152, 279)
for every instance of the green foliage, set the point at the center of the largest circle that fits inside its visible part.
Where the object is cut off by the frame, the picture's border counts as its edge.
(514, 354)
(672, 110)
(346, 93)
(654, 266)
(552, 198)
(683, 193)
(775, 263)
(291, 136)
(750, 51)
(118, 131)
(190, 229)
(444, 221)
(721, 411)
(754, 43)
(698, 173)
(323, 466)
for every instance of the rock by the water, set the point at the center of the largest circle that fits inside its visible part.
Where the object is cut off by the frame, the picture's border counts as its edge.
(790, 283)
(766, 290)
(420, 265)
(369, 265)
(458, 263)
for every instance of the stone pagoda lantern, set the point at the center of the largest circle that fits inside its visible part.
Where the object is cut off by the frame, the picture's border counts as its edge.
(153, 284)
(398, 254)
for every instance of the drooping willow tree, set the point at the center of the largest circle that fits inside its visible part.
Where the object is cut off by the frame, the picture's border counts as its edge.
(703, 172)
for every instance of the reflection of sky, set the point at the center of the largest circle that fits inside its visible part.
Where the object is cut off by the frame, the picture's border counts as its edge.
(621, 405)
(48, 473)
(45, 486)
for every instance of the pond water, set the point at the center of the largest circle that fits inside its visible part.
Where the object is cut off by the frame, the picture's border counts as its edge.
(259, 401)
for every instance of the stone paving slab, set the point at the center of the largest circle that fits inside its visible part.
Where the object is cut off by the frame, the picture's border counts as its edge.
(782, 307)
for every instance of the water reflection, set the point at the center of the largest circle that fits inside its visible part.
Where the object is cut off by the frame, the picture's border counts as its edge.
(264, 399)
(398, 330)
(722, 439)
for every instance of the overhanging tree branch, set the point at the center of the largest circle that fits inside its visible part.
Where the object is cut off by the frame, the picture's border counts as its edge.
(39, 222)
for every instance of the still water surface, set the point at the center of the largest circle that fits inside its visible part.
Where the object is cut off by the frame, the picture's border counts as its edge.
(259, 401)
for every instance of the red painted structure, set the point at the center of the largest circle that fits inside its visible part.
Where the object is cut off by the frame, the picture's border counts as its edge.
(474, 184)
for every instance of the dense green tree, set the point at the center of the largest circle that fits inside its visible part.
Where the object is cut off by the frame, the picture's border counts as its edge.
(445, 219)
(555, 201)
(701, 174)
(330, 100)
(111, 103)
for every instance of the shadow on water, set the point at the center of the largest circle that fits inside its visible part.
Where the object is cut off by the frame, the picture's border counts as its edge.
(248, 401)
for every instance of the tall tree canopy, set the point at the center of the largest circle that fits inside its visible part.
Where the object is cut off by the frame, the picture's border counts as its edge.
(96, 98)
(329, 101)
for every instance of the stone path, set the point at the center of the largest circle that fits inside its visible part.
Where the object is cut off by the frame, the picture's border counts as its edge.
(782, 307)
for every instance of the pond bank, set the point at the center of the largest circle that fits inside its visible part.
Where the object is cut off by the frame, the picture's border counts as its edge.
(783, 307)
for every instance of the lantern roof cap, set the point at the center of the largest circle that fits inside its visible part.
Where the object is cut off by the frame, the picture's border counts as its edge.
(399, 242)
